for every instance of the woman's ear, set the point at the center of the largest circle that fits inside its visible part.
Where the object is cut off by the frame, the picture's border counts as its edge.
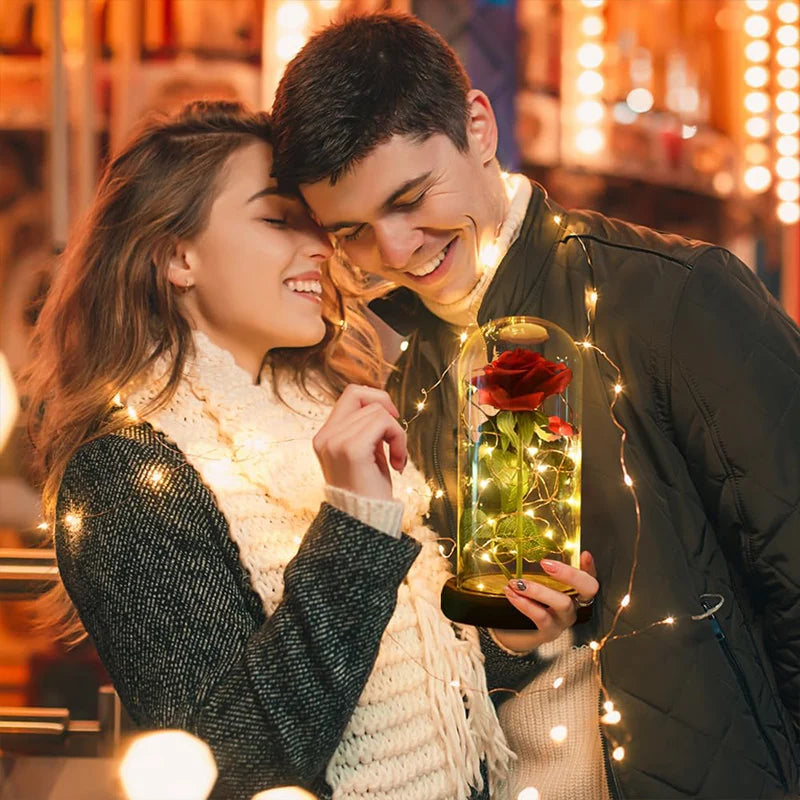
(180, 269)
(481, 125)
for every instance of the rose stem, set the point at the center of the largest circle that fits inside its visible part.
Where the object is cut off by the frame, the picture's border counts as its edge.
(520, 464)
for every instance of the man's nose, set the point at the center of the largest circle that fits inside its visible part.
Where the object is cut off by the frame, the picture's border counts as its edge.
(397, 242)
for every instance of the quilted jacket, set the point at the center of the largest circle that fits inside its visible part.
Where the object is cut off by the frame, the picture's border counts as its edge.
(710, 367)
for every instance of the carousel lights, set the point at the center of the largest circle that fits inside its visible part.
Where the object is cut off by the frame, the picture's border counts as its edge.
(787, 123)
(756, 177)
(590, 55)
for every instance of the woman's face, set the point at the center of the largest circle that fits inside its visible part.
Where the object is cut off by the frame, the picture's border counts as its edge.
(254, 273)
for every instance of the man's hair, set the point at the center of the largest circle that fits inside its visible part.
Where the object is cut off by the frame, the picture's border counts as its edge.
(356, 84)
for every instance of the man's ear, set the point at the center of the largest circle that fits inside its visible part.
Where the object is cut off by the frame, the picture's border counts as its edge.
(481, 125)
(181, 270)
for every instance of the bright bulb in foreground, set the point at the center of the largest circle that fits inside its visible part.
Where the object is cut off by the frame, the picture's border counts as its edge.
(168, 765)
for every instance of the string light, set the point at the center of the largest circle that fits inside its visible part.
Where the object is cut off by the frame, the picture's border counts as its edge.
(529, 793)
(669, 621)
(134, 417)
(43, 526)
(619, 753)
(626, 601)
(617, 388)
(73, 522)
(439, 494)
(558, 683)
(404, 345)
(558, 733)
(611, 717)
(755, 176)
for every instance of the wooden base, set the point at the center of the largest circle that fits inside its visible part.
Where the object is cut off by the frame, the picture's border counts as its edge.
(489, 610)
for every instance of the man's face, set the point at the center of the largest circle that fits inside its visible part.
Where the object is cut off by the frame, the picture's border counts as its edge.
(416, 213)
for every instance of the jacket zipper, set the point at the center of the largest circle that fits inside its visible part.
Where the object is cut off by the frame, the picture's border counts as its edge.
(611, 778)
(737, 671)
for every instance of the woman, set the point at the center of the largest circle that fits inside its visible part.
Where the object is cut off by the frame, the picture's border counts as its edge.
(190, 349)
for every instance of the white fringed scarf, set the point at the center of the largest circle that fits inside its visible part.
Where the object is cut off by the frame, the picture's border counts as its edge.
(409, 737)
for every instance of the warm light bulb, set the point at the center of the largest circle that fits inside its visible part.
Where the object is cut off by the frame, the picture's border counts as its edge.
(132, 413)
(787, 124)
(788, 191)
(757, 127)
(788, 145)
(404, 345)
(117, 401)
(788, 57)
(789, 213)
(594, 645)
(757, 179)
(168, 765)
(788, 12)
(73, 522)
(626, 601)
(788, 102)
(756, 102)
(670, 620)
(787, 35)
(558, 682)
(156, 477)
(292, 15)
(529, 793)
(463, 337)
(608, 705)
(43, 526)
(788, 78)
(757, 51)
(593, 297)
(628, 480)
(586, 345)
(420, 405)
(590, 140)
(756, 77)
(557, 219)
(439, 494)
(590, 55)
(589, 112)
(640, 100)
(593, 25)
(756, 26)
(619, 753)
(617, 388)
(611, 718)
(590, 82)
(288, 45)
(788, 168)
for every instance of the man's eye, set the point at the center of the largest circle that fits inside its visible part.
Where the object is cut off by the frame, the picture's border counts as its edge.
(412, 203)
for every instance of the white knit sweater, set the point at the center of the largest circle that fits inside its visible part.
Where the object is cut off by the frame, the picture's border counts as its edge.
(410, 737)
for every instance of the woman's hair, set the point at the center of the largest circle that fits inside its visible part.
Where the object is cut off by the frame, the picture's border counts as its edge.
(111, 312)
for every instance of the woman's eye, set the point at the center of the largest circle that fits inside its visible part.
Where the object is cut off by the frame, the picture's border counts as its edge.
(272, 221)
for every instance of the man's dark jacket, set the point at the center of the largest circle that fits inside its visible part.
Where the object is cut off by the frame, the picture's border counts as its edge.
(711, 404)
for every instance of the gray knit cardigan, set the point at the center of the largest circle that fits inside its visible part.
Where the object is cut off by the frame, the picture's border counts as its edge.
(158, 585)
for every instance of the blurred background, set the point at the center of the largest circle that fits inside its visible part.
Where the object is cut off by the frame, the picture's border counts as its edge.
(678, 114)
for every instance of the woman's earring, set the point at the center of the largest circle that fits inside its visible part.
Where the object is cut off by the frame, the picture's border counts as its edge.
(188, 285)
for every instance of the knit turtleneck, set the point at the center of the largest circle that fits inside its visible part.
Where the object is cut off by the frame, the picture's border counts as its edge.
(464, 311)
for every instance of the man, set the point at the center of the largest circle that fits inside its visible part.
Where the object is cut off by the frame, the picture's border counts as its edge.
(395, 155)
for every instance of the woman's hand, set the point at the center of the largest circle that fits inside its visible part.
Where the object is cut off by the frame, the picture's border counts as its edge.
(350, 445)
(551, 610)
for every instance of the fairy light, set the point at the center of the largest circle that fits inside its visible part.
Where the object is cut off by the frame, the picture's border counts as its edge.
(420, 405)
(594, 645)
(618, 754)
(756, 177)
(787, 123)
(611, 717)
(117, 401)
(484, 483)
(404, 345)
(608, 705)
(439, 493)
(532, 451)
(558, 683)
(628, 480)
(617, 388)
(529, 793)
(73, 522)
(134, 417)
(558, 733)
(156, 477)
(669, 621)
(626, 601)
(43, 526)
(463, 337)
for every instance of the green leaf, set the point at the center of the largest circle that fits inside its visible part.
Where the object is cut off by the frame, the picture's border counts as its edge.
(526, 427)
(505, 424)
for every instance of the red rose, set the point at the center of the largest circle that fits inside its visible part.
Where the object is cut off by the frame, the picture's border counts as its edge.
(519, 380)
(560, 426)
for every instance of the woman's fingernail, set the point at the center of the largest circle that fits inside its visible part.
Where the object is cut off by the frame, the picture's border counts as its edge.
(548, 566)
(521, 585)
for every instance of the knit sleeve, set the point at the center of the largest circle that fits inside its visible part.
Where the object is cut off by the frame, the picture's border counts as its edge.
(146, 558)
